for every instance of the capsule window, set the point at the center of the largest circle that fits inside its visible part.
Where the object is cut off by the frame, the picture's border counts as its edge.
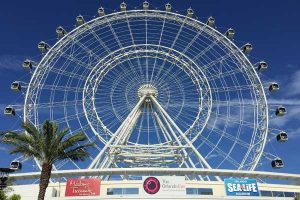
(123, 6)
(60, 31)
(273, 87)
(277, 163)
(262, 66)
(280, 111)
(247, 48)
(230, 33)
(282, 137)
(101, 11)
(27, 64)
(145, 5)
(9, 111)
(190, 12)
(15, 165)
(168, 7)
(16, 86)
(211, 22)
(42, 46)
(80, 20)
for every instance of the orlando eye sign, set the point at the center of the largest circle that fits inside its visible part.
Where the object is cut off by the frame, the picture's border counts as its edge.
(241, 187)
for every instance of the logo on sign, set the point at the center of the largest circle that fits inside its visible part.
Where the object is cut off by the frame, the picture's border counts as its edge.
(241, 187)
(165, 185)
(83, 187)
(151, 185)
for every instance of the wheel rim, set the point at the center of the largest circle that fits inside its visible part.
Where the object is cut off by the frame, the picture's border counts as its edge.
(231, 91)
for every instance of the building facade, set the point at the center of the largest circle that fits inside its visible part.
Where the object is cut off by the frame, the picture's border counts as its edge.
(135, 189)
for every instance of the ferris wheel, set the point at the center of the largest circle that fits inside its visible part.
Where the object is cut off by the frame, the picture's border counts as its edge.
(152, 88)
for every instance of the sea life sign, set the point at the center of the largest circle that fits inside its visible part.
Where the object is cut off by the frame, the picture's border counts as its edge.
(241, 187)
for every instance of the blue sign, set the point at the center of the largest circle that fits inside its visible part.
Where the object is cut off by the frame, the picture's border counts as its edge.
(241, 187)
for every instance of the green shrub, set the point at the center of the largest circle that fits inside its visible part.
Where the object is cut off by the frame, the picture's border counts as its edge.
(3, 195)
(14, 197)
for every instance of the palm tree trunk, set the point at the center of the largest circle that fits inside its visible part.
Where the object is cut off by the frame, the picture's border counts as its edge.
(44, 180)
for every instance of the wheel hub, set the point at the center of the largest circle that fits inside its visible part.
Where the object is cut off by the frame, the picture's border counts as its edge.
(147, 90)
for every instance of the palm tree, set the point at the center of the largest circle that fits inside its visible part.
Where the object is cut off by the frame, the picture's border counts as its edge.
(47, 146)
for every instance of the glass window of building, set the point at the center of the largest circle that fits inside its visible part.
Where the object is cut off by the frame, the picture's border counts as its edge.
(199, 191)
(289, 194)
(191, 190)
(122, 191)
(278, 194)
(205, 191)
(265, 193)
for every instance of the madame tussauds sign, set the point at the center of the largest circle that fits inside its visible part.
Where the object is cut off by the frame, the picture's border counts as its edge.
(83, 187)
(164, 185)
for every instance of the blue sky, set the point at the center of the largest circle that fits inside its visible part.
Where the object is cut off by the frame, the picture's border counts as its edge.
(273, 29)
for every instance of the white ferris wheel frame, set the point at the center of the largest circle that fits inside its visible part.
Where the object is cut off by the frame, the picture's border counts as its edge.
(262, 108)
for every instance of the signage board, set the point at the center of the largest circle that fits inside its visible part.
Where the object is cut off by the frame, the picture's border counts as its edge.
(241, 187)
(83, 187)
(164, 185)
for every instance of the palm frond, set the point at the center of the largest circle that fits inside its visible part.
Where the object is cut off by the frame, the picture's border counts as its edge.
(26, 151)
(72, 140)
(22, 141)
(31, 130)
(77, 153)
(16, 139)
(62, 134)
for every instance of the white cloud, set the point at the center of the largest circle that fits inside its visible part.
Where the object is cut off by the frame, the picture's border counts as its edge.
(293, 85)
(294, 133)
(287, 102)
(292, 66)
(291, 100)
(3, 149)
(293, 113)
(11, 62)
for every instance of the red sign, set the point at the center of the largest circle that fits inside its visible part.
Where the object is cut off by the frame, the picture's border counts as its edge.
(83, 187)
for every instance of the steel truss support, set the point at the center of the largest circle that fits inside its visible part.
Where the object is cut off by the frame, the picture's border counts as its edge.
(170, 123)
(119, 133)
(117, 150)
(185, 156)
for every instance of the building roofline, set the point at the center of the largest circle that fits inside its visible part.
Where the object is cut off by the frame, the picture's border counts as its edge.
(161, 171)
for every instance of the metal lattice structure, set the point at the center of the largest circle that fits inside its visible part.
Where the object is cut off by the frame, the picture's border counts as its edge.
(153, 89)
